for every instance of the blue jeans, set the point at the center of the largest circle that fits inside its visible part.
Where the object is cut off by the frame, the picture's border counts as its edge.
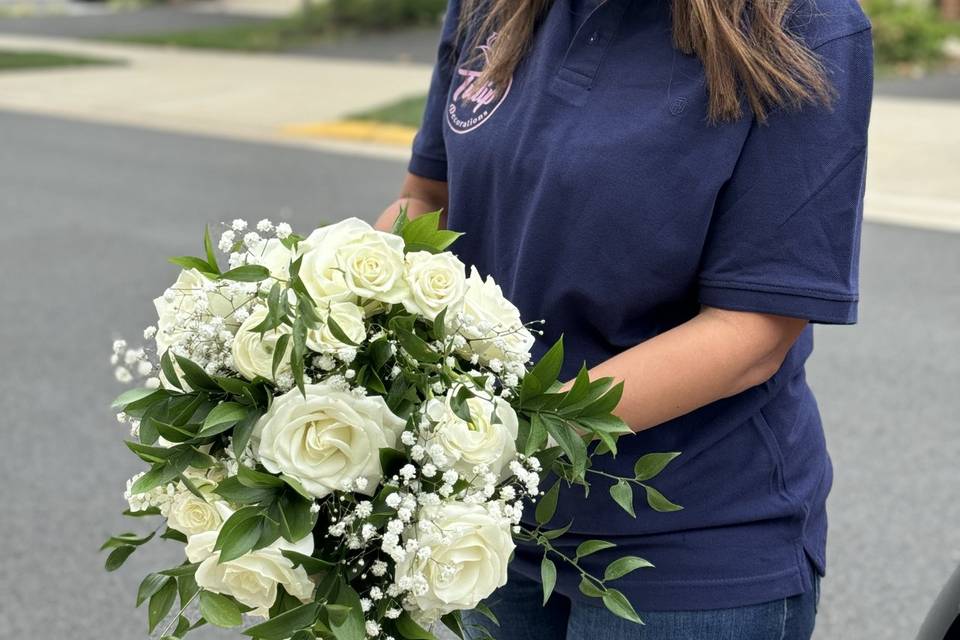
(517, 606)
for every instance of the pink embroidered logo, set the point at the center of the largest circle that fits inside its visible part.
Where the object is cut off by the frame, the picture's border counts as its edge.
(473, 103)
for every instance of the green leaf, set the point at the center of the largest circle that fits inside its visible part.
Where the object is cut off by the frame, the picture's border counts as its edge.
(160, 474)
(400, 221)
(187, 588)
(547, 505)
(118, 556)
(160, 604)
(337, 331)
(280, 350)
(239, 533)
(247, 273)
(188, 569)
(196, 377)
(548, 367)
(124, 539)
(220, 610)
(622, 566)
(579, 390)
(440, 325)
(606, 403)
(622, 494)
(571, 443)
(618, 604)
(658, 502)
(410, 630)
(284, 625)
(589, 588)
(485, 611)
(208, 249)
(150, 585)
(231, 490)
(223, 417)
(415, 345)
(391, 460)
(590, 547)
(311, 565)
(650, 465)
(296, 520)
(131, 396)
(454, 623)
(537, 436)
(189, 262)
(351, 628)
(256, 479)
(243, 430)
(548, 577)
(424, 233)
(169, 371)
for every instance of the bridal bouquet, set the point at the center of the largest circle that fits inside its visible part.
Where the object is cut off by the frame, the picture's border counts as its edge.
(343, 431)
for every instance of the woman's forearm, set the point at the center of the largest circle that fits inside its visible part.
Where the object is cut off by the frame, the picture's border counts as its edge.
(712, 356)
(417, 196)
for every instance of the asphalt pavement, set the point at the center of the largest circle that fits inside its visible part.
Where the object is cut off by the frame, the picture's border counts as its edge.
(88, 214)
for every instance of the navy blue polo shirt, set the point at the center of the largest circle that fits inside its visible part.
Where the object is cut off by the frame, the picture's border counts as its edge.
(592, 187)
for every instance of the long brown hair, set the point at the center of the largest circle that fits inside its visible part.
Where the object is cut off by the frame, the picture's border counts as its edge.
(744, 45)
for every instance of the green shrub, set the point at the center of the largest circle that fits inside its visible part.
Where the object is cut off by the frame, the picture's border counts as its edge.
(378, 14)
(906, 32)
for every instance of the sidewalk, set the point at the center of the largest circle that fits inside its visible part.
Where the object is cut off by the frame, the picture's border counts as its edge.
(249, 96)
(914, 155)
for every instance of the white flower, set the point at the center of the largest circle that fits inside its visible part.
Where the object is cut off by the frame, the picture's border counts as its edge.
(470, 550)
(496, 330)
(190, 515)
(320, 272)
(489, 438)
(329, 436)
(283, 230)
(275, 256)
(253, 355)
(437, 281)
(348, 316)
(252, 578)
(192, 293)
(373, 268)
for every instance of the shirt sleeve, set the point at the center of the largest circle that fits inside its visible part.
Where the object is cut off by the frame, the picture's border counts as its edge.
(429, 157)
(785, 236)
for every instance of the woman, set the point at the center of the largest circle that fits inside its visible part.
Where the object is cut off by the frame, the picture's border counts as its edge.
(676, 187)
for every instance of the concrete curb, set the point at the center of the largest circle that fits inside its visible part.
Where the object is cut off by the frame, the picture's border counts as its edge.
(353, 131)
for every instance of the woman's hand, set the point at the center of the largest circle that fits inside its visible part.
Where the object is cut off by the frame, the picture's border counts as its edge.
(716, 354)
(419, 196)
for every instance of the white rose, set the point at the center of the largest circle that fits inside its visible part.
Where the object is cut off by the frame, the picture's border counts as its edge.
(373, 266)
(495, 329)
(469, 566)
(329, 436)
(348, 317)
(319, 271)
(190, 288)
(252, 578)
(190, 515)
(276, 257)
(436, 281)
(489, 438)
(253, 355)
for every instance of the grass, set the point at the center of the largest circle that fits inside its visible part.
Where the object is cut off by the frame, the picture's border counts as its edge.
(269, 36)
(407, 112)
(25, 60)
(332, 18)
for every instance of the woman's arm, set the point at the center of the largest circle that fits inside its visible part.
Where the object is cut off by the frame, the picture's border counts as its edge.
(420, 196)
(714, 355)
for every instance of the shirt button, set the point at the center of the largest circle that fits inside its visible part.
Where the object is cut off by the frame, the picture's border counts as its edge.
(593, 37)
